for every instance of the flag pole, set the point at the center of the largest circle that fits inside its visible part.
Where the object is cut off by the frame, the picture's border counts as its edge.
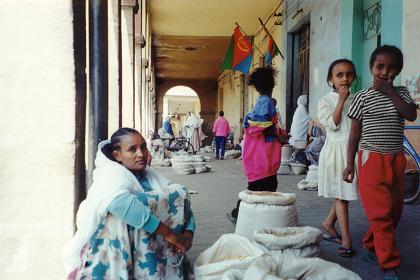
(248, 36)
(268, 33)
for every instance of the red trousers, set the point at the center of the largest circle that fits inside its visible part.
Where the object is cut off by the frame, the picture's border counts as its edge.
(381, 187)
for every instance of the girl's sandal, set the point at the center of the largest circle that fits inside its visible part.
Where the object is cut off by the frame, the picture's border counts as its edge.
(346, 252)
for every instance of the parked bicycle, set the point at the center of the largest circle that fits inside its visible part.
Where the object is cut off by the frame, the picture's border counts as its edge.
(412, 187)
(174, 144)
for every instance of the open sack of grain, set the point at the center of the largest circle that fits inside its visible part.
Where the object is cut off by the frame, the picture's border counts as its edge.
(297, 241)
(259, 210)
(290, 267)
(229, 252)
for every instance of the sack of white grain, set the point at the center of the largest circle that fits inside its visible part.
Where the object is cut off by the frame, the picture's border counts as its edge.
(200, 167)
(232, 154)
(297, 241)
(260, 210)
(229, 252)
(291, 267)
(182, 164)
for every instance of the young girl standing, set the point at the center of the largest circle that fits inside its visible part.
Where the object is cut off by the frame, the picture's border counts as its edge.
(332, 113)
(378, 114)
(262, 146)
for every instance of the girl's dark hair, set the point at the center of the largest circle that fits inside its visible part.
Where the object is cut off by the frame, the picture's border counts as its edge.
(263, 79)
(115, 141)
(391, 50)
(333, 64)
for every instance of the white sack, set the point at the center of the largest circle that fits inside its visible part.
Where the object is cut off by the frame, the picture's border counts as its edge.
(227, 253)
(252, 217)
(290, 267)
(297, 241)
(272, 198)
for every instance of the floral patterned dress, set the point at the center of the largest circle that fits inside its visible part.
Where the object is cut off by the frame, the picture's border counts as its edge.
(119, 251)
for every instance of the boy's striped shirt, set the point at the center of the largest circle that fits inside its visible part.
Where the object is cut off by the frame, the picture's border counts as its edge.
(382, 124)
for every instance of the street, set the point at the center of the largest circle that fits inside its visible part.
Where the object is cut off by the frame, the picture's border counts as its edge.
(217, 195)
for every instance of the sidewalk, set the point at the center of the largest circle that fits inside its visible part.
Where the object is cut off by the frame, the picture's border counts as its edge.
(217, 195)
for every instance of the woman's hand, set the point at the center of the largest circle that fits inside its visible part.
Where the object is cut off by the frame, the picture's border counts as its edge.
(348, 174)
(174, 238)
(189, 239)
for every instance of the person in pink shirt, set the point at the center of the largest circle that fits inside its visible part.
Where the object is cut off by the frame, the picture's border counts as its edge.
(221, 131)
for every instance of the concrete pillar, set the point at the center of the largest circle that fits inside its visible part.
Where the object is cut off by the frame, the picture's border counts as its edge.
(127, 57)
(114, 106)
(37, 110)
(138, 44)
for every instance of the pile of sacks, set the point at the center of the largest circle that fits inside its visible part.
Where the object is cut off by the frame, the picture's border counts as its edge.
(234, 257)
(232, 154)
(310, 183)
(184, 164)
(286, 153)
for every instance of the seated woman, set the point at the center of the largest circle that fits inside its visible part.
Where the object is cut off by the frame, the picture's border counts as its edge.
(167, 126)
(133, 223)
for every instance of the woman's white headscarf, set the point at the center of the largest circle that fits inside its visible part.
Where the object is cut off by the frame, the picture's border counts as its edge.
(110, 179)
(300, 122)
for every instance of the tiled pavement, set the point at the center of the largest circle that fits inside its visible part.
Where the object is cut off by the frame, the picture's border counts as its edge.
(217, 194)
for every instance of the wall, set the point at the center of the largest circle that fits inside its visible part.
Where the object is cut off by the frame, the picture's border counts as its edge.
(410, 75)
(410, 47)
(37, 143)
(324, 18)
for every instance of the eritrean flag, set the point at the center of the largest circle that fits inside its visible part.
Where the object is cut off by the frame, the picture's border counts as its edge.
(239, 54)
(272, 50)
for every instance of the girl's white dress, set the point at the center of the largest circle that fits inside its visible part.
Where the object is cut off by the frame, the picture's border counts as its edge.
(333, 157)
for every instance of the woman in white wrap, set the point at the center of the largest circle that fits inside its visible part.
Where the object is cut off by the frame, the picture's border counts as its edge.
(299, 130)
(193, 128)
(133, 223)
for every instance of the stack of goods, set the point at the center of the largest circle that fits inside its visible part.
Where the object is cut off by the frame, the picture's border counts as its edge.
(184, 164)
(310, 183)
(259, 210)
(232, 154)
(286, 153)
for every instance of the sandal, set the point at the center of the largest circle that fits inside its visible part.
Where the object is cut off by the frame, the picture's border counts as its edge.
(333, 238)
(346, 252)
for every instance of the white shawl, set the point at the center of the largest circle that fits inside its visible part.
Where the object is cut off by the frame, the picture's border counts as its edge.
(110, 179)
(300, 122)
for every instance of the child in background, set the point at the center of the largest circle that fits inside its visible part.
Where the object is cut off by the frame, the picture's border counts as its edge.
(332, 113)
(262, 146)
(378, 114)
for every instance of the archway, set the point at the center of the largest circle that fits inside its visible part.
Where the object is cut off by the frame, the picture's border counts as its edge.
(178, 101)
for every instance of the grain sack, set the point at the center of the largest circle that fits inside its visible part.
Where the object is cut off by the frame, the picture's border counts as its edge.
(182, 164)
(286, 152)
(310, 183)
(260, 210)
(284, 168)
(232, 154)
(227, 253)
(297, 241)
(291, 267)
